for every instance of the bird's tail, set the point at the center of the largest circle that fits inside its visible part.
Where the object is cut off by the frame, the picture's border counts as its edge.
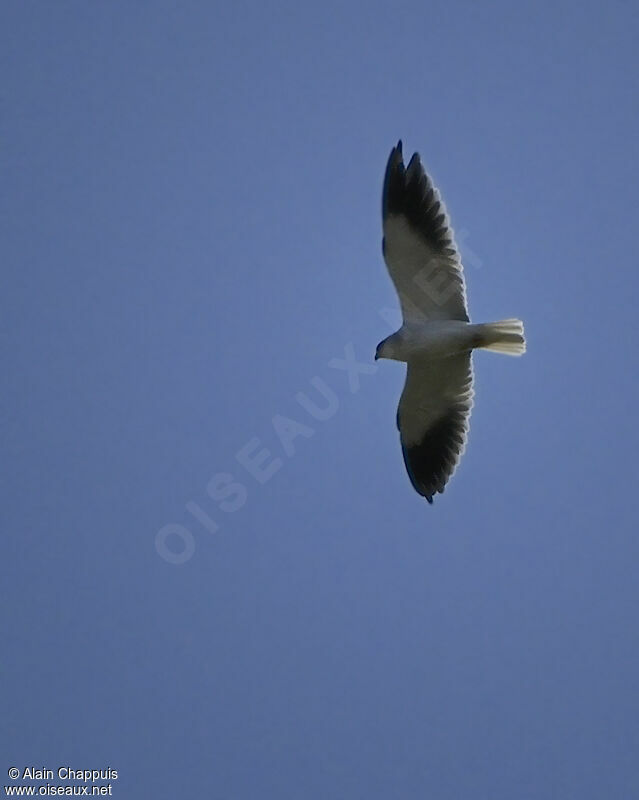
(505, 336)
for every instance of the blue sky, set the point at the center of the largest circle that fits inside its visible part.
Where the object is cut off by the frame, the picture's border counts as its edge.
(191, 237)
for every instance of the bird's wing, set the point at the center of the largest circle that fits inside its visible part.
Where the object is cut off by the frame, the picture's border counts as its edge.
(418, 245)
(432, 418)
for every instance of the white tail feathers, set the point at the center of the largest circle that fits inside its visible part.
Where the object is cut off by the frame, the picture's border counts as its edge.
(505, 336)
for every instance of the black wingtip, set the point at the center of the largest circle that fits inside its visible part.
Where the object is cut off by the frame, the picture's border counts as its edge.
(394, 177)
(414, 163)
(409, 192)
(432, 461)
(430, 500)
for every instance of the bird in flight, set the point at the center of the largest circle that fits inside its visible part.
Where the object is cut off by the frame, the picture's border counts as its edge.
(436, 339)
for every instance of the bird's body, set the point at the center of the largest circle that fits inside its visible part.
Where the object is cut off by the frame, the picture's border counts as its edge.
(434, 339)
(437, 338)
